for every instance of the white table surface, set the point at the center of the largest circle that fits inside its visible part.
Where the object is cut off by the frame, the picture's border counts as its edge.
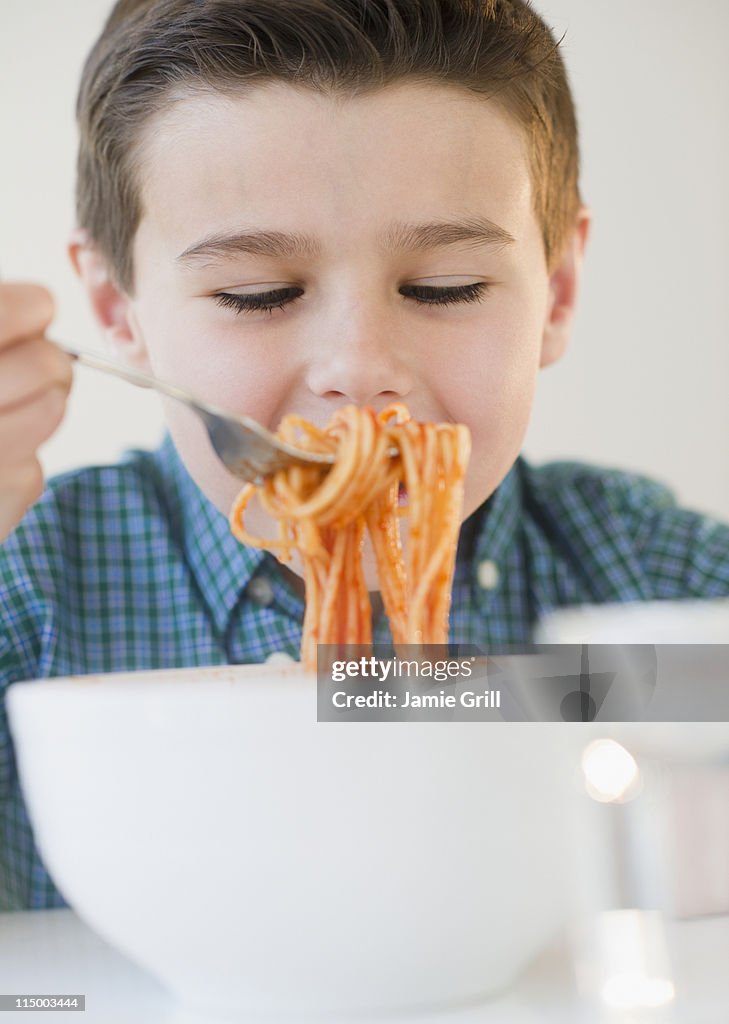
(53, 952)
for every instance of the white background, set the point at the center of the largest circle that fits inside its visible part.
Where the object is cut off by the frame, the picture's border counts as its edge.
(644, 384)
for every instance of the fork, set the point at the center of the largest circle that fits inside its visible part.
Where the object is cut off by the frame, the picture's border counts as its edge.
(245, 448)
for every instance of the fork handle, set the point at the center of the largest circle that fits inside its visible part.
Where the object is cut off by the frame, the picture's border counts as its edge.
(141, 380)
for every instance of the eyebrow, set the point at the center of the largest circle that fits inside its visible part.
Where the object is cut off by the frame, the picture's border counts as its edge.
(474, 230)
(217, 248)
(400, 237)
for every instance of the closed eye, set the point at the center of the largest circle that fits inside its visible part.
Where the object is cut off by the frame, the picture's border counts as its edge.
(256, 301)
(280, 298)
(431, 296)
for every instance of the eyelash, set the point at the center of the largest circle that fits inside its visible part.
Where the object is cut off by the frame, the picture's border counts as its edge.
(425, 295)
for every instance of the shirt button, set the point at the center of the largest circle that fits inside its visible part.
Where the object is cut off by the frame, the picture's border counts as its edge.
(280, 658)
(260, 591)
(488, 575)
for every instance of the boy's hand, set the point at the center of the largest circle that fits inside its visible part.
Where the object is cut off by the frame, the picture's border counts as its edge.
(35, 378)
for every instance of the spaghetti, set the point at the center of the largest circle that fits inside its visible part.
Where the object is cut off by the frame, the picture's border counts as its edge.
(323, 512)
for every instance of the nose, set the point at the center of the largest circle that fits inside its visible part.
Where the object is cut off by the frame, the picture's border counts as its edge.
(360, 357)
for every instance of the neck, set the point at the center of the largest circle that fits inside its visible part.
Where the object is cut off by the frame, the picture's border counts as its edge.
(297, 585)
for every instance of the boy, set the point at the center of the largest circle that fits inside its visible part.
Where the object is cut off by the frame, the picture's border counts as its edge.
(287, 207)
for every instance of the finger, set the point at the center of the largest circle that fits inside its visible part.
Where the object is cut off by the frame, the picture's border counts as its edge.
(27, 426)
(28, 368)
(25, 311)
(20, 486)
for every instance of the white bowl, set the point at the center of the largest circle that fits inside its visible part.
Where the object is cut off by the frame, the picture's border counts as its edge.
(266, 866)
(694, 621)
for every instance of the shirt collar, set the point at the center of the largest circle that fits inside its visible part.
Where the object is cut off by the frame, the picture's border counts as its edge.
(221, 565)
(489, 532)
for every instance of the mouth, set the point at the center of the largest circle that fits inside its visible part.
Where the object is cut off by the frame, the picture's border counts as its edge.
(402, 495)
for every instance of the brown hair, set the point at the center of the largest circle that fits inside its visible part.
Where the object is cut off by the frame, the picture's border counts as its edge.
(148, 48)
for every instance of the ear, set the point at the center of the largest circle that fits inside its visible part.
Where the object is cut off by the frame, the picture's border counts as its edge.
(563, 289)
(113, 309)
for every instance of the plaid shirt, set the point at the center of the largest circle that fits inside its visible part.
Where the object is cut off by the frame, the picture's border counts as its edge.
(130, 567)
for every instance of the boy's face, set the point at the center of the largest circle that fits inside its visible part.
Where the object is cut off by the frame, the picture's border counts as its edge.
(358, 214)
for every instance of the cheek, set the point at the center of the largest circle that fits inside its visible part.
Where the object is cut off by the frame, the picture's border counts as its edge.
(491, 389)
(218, 362)
(201, 348)
(490, 381)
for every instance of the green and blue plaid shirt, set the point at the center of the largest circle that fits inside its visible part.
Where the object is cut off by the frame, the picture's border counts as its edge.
(130, 567)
